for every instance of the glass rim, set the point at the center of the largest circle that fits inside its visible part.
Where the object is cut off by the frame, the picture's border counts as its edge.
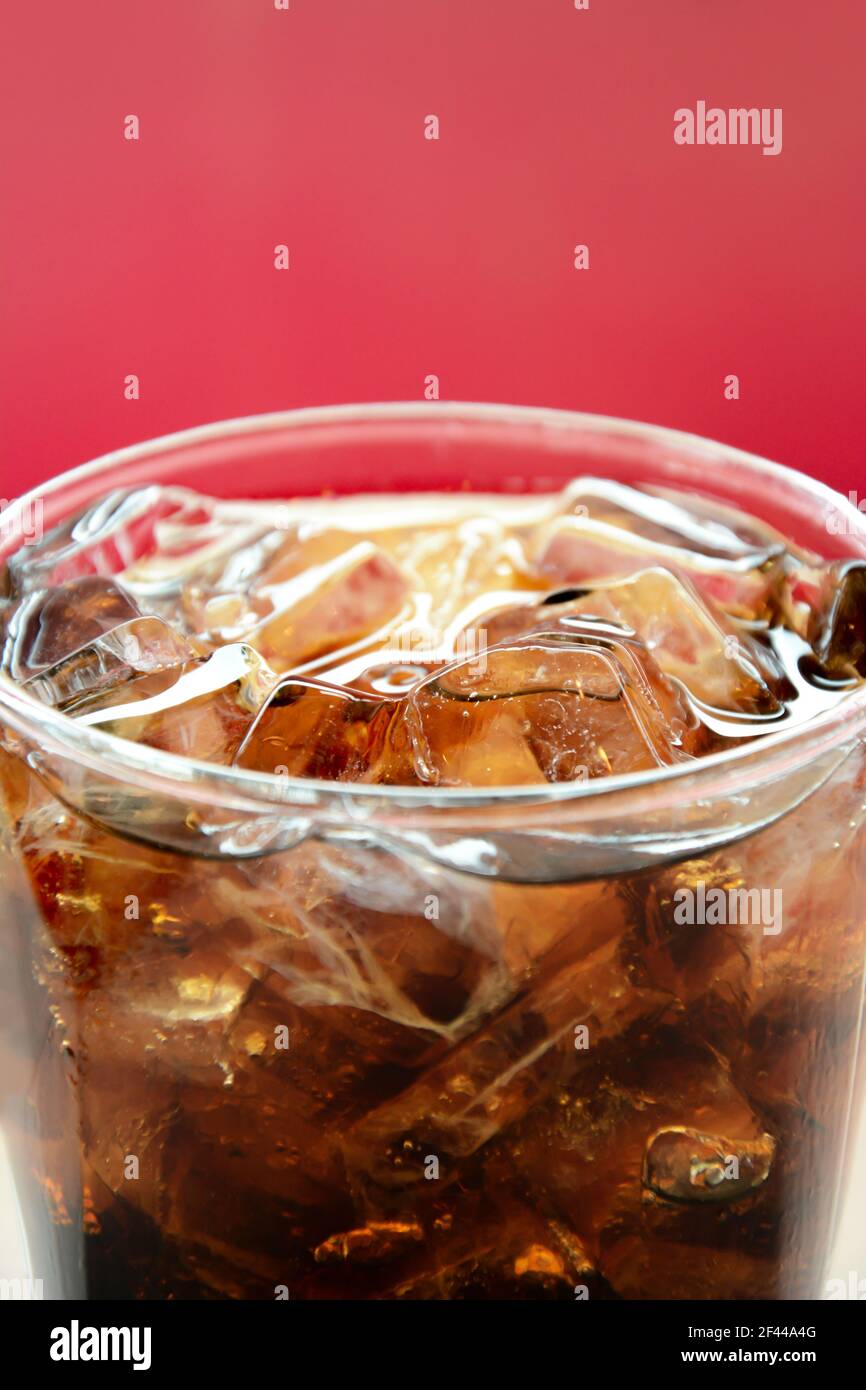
(234, 788)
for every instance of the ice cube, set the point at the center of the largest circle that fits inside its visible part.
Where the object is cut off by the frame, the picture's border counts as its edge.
(228, 595)
(202, 709)
(310, 729)
(492, 1079)
(235, 1182)
(133, 650)
(108, 537)
(837, 629)
(321, 595)
(406, 955)
(683, 519)
(458, 566)
(615, 531)
(552, 707)
(712, 968)
(561, 613)
(48, 625)
(531, 920)
(168, 1015)
(717, 664)
(596, 1151)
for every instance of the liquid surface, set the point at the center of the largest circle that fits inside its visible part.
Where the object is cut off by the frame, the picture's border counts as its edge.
(447, 640)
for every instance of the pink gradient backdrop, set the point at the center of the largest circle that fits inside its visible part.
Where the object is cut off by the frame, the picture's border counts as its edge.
(409, 256)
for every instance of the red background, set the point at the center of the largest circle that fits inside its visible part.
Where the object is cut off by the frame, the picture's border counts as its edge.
(410, 256)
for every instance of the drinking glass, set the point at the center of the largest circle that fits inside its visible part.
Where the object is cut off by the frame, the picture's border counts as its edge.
(265, 1037)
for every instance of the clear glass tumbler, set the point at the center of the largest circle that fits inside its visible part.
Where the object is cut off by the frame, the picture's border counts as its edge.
(265, 1037)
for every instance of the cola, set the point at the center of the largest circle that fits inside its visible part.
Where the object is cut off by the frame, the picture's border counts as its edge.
(350, 1058)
